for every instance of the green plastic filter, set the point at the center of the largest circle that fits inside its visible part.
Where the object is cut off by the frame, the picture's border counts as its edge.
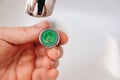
(49, 38)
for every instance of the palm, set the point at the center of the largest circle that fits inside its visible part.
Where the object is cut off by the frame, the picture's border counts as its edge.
(23, 63)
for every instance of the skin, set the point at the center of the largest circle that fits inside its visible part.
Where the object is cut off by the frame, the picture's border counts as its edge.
(23, 58)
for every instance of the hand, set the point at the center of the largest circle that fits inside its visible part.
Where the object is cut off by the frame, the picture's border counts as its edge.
(23, 58)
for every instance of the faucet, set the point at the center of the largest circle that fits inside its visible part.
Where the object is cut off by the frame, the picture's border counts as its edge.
(42, 8)
(39, 8)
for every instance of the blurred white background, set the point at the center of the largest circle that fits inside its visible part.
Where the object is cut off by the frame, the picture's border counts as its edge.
(87, 23)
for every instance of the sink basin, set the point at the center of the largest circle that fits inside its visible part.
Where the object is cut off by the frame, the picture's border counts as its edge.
(88, 24)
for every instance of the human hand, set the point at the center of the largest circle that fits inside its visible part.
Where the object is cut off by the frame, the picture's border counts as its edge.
(23, 58)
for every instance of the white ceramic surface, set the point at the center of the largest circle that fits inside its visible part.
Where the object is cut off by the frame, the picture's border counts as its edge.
(88, 24)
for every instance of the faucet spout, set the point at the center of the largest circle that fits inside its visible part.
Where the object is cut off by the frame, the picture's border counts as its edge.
(39, 8)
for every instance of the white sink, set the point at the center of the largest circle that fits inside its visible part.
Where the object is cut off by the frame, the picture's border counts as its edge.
(87, 23)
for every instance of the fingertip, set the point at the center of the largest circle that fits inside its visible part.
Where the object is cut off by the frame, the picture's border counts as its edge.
(44, 24)
(63, 38)
(55, 53)
(53, 73)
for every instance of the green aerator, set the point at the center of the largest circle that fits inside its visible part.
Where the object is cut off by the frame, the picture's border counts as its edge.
(49, 38)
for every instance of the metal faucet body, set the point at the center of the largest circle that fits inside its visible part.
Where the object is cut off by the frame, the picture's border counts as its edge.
(39, 8)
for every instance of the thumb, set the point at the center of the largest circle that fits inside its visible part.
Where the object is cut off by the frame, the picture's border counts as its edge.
(21, 35)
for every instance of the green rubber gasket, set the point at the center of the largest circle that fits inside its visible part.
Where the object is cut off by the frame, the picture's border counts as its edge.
(49, 37)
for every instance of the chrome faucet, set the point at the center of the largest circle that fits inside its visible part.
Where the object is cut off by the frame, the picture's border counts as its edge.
(39, 8)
